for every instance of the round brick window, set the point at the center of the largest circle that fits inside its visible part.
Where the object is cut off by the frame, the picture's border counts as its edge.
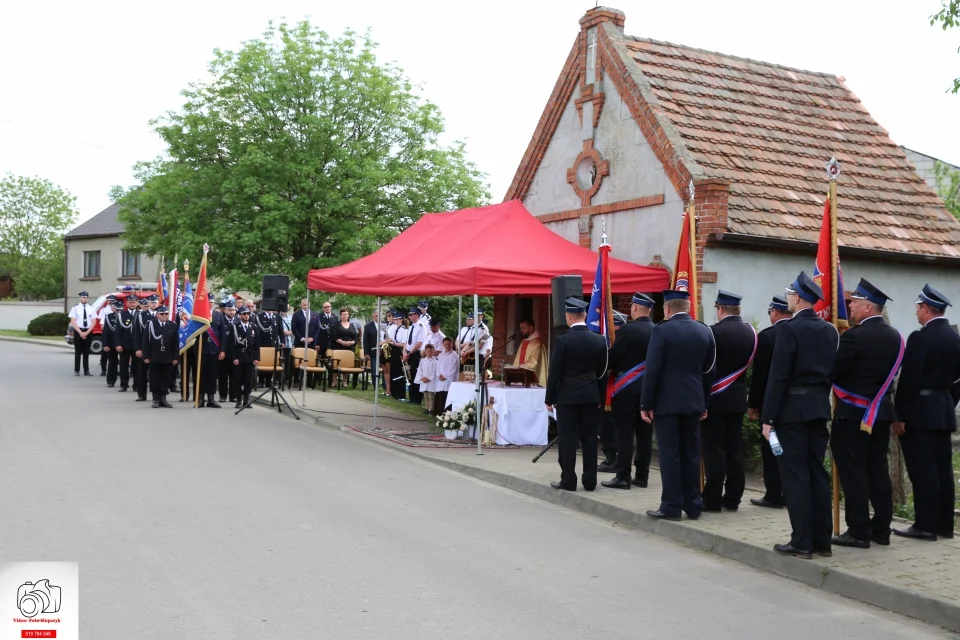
(586, 173)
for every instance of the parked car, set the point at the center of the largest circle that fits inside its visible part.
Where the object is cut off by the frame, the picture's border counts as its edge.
(96, 336)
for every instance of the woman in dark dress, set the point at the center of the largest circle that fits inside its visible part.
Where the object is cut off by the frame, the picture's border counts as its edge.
(344, 336)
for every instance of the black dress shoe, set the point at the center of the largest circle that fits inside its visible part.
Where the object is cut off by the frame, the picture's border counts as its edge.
(239, 405)
(121, 389)
(156, 403)
(693, 516)
(616, 483)
(103, 374)
(824, 553)
(212, 404)
(637, 482)
(559, 485)
(660, 515)
(607, 466)
(712, 509)
(76, 373)
(87, 373)
(916, 534)
(883, 541)
(141, 398)
(109, 386)
(946, 534)
(165, 404)
(789, 550)
(223, 398)
(763, 502)
(847, 540)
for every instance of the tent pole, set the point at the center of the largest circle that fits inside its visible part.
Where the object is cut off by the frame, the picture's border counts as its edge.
(303, 363)
(477, 371)
(459, 317)
(375, 359)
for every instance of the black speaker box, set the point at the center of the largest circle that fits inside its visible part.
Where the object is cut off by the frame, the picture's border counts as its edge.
(275, 293)
(563, 287)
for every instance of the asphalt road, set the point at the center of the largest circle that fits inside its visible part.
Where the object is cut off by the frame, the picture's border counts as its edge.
(198, 524)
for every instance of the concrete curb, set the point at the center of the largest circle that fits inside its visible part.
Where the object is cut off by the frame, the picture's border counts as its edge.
(45, 343)
(817, 573)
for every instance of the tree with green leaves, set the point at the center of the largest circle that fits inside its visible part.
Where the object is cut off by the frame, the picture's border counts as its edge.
(948, 186)
(948, 17)
(302, 152)
(34, 215)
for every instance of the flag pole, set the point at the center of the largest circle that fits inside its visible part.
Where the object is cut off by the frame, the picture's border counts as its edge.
(196, 393)
(694, 298)
(833, 171)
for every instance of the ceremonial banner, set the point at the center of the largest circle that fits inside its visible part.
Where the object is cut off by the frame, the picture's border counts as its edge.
(186, 310)
(825, 269)
(600, 312)
(173, 291)
(162, 286)
(685, 266)
(200, 309)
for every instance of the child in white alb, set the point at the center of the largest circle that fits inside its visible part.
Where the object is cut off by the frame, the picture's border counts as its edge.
(448, 365)
(427, 377)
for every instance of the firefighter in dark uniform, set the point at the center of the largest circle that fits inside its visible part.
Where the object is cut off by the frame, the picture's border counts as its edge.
(106, 337)
(867, 362)
(161, 342)
(245, 352)
(766, 339)
(144, 316)
(226, 386)
(124, 343)
(214, 348)
(578, 361)
(927, 395)
(676, 385)
(608, 428)
(722, 431)
(627, 363)
(797, 405)
(111, 329)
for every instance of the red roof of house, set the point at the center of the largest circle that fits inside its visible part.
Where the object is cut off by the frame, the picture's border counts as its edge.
(499, 249)
(769, 131)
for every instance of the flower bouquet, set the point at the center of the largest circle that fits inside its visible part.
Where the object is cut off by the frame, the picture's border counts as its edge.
(453, 423)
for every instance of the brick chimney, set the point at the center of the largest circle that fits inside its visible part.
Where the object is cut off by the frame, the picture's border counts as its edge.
(598, 15)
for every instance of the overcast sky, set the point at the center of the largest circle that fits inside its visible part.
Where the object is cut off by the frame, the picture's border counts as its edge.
(82, 80)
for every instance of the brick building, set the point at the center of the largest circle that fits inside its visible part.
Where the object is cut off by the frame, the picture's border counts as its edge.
(632, 121)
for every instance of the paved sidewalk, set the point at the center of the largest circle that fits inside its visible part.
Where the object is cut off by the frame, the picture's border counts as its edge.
(47, 343)
(917, 579)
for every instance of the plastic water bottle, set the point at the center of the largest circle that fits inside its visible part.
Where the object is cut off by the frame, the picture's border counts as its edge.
(775, 444)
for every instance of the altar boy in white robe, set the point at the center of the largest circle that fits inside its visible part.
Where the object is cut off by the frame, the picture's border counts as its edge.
(448, 365)
(427, 378)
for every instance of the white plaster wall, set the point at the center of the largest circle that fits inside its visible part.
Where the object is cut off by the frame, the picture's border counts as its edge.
(550, 192)
(638, 235)
(17, 315)
(759, 276)
(567, 229)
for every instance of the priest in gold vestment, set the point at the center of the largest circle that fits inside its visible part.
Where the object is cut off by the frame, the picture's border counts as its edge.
(531, 353)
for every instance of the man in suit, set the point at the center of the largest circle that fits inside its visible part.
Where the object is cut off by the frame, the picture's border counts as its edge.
(144, 317)
(676, 385)
(111, 326)
(161, 342)
(325, 321)
(578, 361)
(797, 405)
(723, 429)
(766, 339)
(371, 338)
(245, 351)
(124, 344)
(927, 395)
(628, 362)
(867, 362)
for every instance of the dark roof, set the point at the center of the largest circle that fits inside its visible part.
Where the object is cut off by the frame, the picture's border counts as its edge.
(769, 130)
(105, 223)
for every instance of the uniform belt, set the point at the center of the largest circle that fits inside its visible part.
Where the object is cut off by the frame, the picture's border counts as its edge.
(932, 392)
(588, 376)
(800, 391)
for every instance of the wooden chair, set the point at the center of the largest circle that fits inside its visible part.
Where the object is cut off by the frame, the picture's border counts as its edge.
(268, 356)
(312, 367)
(345, 364)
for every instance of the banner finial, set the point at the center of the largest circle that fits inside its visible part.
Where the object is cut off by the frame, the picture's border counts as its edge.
(833, 169)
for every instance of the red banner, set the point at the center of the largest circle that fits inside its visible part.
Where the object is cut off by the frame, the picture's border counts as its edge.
(823, 272)
(685, 266)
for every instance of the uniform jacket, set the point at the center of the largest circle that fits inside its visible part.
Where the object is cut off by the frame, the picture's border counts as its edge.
(124, 336)
(578, 360)
(629, 350)
(929, 386)
(266, 328)
(680, 366)
(140, 326)
(735, 340)
(866, 355)
(766, 339)
(802, 358)
(109, 328)
(371, 338)
(161, 343)
(210, 347)
(246, 345)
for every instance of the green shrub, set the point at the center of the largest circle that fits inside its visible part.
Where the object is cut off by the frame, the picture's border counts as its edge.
(49, 324)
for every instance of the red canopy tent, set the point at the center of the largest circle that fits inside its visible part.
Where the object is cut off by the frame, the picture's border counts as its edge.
(499, 249)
